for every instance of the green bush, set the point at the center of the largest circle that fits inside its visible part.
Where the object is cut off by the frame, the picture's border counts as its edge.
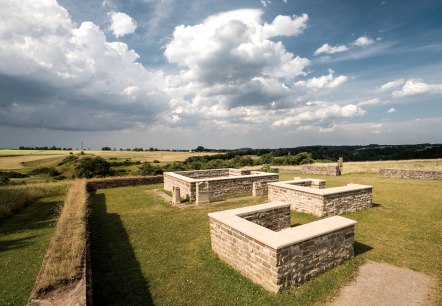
(266, 168)
(68, 159)
(149, 169)
(45, 170)
(92, 167)
(4, 181)
(12, 174)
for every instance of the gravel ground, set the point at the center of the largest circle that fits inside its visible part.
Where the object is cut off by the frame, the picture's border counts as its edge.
(384, 284)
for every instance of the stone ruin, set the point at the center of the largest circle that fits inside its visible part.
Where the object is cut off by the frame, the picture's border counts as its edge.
(311, 196)
(217, 183)
(259, 242)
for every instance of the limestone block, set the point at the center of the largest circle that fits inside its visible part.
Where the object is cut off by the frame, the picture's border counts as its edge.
(258, 190)
(176, 197)
(202, 193)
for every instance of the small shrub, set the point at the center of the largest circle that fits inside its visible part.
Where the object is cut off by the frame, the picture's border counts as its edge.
(148, 169)
(12, 174)
(4, 181)
(45, 170)
(156, 161)
(92, 167)
(68, 159)
(81, 153)
(266, 168)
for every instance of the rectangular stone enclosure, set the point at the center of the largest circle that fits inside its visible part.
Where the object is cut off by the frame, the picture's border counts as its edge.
(311, 196)
(259, 242)
(220, 182)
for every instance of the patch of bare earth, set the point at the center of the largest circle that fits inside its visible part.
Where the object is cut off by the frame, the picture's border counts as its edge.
(385, 284)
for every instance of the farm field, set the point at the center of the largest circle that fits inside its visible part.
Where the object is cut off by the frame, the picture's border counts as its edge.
(24, 238)
(12, 159)
(372, 167)
(25, 161)
(158, 254)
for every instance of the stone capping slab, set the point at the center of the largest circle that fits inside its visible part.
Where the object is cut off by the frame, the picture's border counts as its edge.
(208, 179)
(320, 192)
(285, 237)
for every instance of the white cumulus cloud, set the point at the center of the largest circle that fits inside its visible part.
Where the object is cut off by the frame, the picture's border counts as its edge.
(363, 41)
(326, 48)
(121, 24)
(413, 87)
(74, 78)
(325, 81)
(322, 111)
(391, 110)
(392, 85)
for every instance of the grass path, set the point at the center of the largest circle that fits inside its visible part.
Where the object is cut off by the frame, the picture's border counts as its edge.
(24, 238)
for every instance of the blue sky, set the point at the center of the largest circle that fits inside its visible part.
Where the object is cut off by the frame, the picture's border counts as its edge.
(221, 74)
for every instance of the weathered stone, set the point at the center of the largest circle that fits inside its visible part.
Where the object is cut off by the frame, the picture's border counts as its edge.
(222, 182)
(202, 193)
(284, 258)
(258, 190)
(176, 197)
(411, 174)
(321, 201)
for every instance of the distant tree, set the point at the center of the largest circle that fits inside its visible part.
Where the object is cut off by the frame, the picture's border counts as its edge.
(200, 149)
(106, 149)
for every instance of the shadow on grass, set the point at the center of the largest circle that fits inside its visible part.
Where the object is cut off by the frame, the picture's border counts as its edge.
(11, 244)
(34, 216)
(361, 248)
(116, 275)
(376, 205)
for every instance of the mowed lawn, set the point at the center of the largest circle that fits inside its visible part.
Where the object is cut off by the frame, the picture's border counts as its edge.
(24, 238)
(144, 251)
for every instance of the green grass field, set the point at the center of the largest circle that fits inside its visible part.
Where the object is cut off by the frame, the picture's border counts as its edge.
(24, 238)
(144, 251)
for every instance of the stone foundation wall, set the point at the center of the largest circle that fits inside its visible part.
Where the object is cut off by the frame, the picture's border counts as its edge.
(321, 202)
(278, 260)
(274, 219)
(300, 262)
(231, 185)
(351, 201)
(252, 258)
(187, 189)
(124, 181)
(321, 170)
(219, 186)
(197, 174)
(299, 200)
(411, 174)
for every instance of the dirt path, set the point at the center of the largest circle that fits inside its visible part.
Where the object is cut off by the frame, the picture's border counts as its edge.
(384, 284)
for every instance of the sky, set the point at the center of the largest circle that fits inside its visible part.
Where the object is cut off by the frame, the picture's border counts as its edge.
(177, 74)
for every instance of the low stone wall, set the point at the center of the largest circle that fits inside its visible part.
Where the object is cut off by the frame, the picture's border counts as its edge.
(234, 182)
(319, 201)
(187, 186)
(411, 174)
(321, 170)
(197, 174)
(125, 181)
(278, 260)
(274, 219)
(237, 185)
